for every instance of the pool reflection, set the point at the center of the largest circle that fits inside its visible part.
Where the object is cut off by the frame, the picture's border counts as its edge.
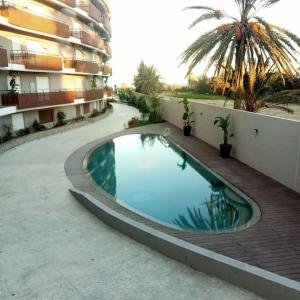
(157, 178)
(102, 166)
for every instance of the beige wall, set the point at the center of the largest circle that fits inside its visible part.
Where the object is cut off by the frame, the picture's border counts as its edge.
(26, 78)
(5, 120)
(44, 10)
(58, 82)
(54, 48)
(3, 81)
(274, 151)
(30, 117)
(70, 112)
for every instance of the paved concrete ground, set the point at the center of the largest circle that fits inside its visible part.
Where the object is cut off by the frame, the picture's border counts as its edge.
(52, 248)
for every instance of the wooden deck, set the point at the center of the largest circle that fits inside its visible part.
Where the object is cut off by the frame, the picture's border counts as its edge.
(272, 244)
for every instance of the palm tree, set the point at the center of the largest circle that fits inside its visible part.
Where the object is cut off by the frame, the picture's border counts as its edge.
(192, 79)
(147, 80)
(244, 50)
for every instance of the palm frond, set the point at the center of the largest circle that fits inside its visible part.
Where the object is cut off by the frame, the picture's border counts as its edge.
(208, 16)
(244, 52)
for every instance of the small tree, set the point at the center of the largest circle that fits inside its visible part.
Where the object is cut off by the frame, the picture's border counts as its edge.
(147, 80)
(61, 117)
(8, 133)
(94, 82)
(13, 83)
(155, 116)
(187, 115)
(223, 123)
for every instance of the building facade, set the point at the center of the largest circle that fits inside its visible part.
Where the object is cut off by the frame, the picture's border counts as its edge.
(53, 57)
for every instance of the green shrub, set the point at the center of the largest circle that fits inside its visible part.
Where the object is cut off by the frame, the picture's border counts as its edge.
(61, 119)
(37, 126)
(135, 122)
(23, 132)
(131, 99)
(95, 113)
(155, 116)
(78, 119)
(124, 93)
(143, 107)
(8, 133)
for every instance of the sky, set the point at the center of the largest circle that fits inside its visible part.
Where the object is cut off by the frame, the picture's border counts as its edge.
(157, 31)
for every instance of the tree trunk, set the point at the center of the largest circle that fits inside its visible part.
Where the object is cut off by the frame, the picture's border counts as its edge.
(238, 99)
(237, 103)
(250, 101)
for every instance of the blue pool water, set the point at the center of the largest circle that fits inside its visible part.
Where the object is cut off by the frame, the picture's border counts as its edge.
(156, 178)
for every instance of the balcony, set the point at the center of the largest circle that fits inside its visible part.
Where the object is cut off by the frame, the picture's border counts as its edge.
(93, 94)
(3, 58)
(106, 70)
(88, 38)
(91, 10)
(109, 92)
(36, 61)
(24, 18)
(107, 48)
(106, 2)
(52, 98)
(81, 66)
(105, 21)
(71, 3)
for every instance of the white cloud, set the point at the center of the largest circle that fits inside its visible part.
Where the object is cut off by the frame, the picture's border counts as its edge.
(157, 32)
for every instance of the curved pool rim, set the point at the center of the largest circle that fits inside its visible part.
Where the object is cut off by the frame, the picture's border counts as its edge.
(256, 211)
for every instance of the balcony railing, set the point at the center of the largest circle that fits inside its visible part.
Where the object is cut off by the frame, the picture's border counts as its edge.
(52, 98)
(88, 38)
(106, 70)
(21, 17)
(3, 58)
(105, 21)
(91, 10)
(36, 61)
(107, 48)
(108, 92)
(93, 94)
(81, 66)
(71, 3)
(106, 2)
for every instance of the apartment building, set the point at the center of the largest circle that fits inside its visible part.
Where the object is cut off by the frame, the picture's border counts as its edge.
(53, 57)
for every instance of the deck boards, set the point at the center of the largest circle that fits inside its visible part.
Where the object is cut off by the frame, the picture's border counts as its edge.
(272, 244)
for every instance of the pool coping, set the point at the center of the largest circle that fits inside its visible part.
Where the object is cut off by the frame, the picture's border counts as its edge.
(252, 278)
(256, 215)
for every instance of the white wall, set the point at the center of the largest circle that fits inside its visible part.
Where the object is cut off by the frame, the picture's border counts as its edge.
(17, 121)
(30, 117)
(70, 112)
(274, 151)
(5, 120)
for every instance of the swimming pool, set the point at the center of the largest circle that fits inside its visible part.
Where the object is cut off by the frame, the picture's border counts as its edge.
(156, 178)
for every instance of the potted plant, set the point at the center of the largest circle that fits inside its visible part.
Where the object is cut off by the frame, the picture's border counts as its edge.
(224, 123)
(186, 117)
(13, 83)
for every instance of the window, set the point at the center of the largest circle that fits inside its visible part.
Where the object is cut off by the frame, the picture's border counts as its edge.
(34, 46)
(46, 116)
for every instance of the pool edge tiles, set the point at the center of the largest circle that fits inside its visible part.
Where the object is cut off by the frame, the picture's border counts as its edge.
(262, 282)
(243, 246)
(256, 214)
